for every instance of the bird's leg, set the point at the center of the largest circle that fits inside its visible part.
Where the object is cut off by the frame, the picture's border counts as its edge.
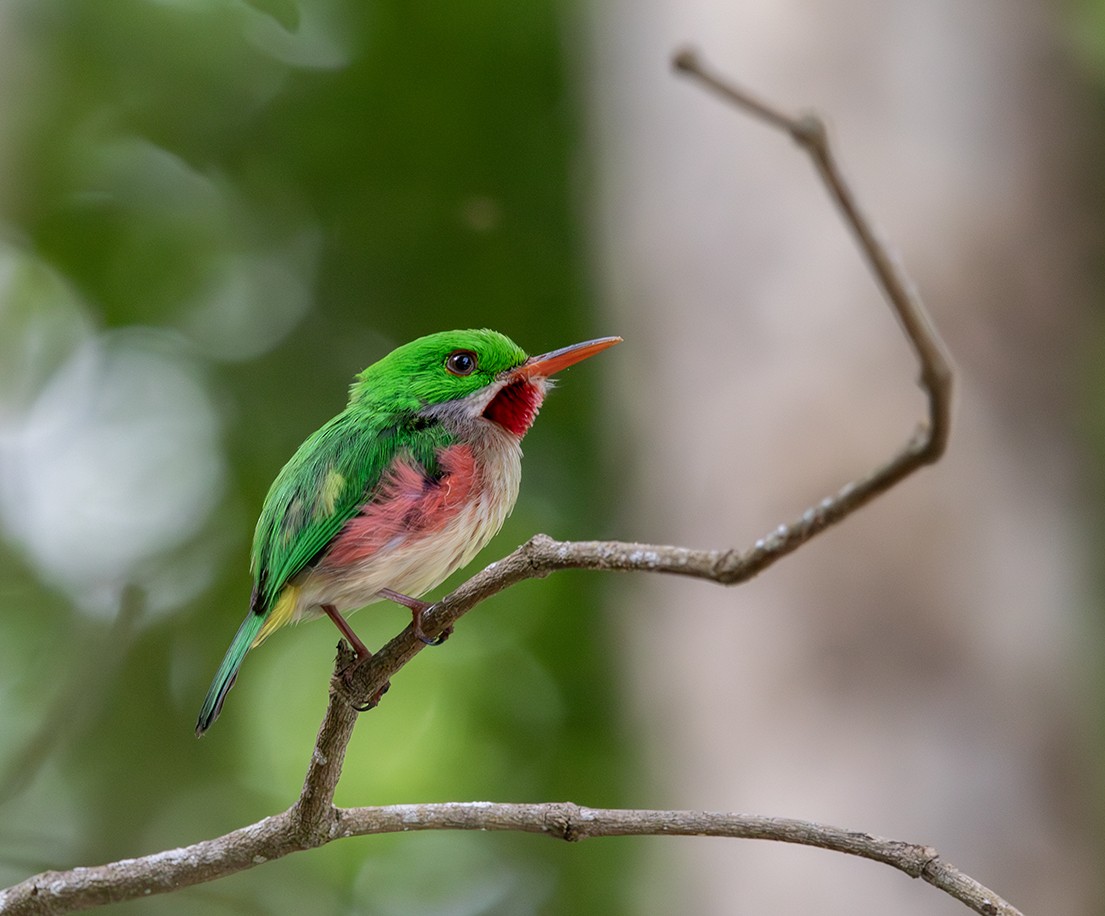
(417, 607)
(347, 631)
(363, 655)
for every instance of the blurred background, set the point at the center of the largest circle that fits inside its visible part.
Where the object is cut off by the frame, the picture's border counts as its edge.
(213, 213)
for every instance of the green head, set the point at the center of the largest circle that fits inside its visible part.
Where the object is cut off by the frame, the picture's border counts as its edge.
(465, 375)
(437, 368)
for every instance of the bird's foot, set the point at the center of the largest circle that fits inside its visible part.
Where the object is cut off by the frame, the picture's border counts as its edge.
(374, 701)
(417, 607)
(350, 688)
(416, 622)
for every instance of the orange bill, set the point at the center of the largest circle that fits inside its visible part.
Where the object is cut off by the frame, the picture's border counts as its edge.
(548, 364)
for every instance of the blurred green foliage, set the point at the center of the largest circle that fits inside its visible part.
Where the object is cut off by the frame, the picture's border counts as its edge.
(213, 214)
(1086, 29)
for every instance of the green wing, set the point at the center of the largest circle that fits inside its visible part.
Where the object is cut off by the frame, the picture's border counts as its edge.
(332, 474)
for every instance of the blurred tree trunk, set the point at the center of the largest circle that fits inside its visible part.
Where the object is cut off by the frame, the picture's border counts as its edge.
(916, 673)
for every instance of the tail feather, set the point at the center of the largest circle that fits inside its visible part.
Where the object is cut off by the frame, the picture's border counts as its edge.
(228, 671)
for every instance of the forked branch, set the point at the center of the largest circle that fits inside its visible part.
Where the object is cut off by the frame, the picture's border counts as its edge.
(313, 820)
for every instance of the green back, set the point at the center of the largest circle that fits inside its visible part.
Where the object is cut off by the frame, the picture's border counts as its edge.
(337, 469)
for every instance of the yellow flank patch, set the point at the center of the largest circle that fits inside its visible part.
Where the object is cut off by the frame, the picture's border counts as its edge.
(281, 614)
(331, 490)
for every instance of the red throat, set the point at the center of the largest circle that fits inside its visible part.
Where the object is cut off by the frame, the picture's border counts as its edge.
(515, 407)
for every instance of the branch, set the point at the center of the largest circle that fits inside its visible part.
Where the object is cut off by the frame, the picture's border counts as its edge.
(313, 820)
(272, 838)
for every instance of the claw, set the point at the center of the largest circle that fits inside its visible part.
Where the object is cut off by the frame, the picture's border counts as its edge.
(432, 640)
(374, 701)
(347, 683)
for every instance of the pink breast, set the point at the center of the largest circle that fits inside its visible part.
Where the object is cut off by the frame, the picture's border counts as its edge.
(407, 504)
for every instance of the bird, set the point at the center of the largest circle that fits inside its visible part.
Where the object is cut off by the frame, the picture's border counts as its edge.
(399, 490)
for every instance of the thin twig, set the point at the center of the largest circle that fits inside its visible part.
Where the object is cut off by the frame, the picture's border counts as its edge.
(313, 820)
(810, 133)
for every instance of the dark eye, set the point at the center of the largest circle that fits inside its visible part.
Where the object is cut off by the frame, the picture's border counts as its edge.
(461, 362)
